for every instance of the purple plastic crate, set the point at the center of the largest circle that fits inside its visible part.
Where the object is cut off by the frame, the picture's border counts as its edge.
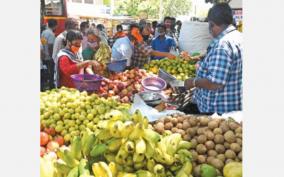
(87, 82)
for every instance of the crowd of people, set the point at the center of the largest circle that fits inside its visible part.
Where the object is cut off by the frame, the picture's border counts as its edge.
(218, 81)
(140, 43)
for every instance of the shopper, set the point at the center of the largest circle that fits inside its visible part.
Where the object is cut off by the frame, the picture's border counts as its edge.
(84, 27)
(154, 26)
(162, 43)
(93, 25)
(48, 38)
(178, 28)
(119, 32)
(143, 51)
(70, 24)
(123, 47)
(219, 77)
(146, 33)
(133, 49)
(92, 44)
(173, 24)
(69, 62)
(102, 33)
(168, 25)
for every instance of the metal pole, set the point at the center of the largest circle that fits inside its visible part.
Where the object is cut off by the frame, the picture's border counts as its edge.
(161, 10)
(111, 7)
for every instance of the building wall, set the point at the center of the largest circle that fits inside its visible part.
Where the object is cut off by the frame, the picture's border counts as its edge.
(236, 4)
(84, 8)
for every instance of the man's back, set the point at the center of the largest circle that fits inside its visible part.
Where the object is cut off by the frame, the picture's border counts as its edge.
(122, 49)
(48, 36)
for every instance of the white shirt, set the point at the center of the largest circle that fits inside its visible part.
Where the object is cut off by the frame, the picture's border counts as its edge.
(58, 44)
(122, 49)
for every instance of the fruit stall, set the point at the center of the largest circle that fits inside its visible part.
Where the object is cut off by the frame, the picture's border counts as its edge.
(93, 133)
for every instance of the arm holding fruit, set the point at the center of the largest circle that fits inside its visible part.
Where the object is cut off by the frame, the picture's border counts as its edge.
(93, 66)
(163, 54)
(150, 50)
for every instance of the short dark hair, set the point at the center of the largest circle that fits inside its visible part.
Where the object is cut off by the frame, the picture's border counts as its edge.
(84, 25)
(167, 18)
(70, 23)
(161, 25)
(221, 14)
(119, 27)
(73, 35)
(52, 23)
(100, 27)
(154, 23)
(179, 23)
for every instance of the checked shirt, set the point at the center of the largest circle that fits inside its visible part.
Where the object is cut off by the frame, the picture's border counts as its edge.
(141, 55)
(222, 65)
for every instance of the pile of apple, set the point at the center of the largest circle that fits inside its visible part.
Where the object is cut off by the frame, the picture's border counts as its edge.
(122, 86)
(49, 141)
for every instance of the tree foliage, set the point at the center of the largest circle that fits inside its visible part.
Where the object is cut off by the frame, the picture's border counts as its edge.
(152, 7)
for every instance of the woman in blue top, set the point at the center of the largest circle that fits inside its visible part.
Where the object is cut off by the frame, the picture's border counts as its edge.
(162, 43)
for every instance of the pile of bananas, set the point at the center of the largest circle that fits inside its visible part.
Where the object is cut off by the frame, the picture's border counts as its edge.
(123, 147)
(103, 54)
(178, 67)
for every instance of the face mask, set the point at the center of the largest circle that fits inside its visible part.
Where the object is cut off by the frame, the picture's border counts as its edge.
(74, 49)
(162, 34)
(92, 45)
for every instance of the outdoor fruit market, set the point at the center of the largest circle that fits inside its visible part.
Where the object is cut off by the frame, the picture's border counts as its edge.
(139, 103)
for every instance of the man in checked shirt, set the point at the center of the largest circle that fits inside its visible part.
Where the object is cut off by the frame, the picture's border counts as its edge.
(218, 80)
(142, 53)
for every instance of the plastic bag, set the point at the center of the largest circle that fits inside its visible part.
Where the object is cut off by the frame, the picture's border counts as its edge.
(151, 113)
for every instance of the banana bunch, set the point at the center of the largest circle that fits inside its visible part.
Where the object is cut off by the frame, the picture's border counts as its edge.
(101, 169)
(125, 146)
(103, 54)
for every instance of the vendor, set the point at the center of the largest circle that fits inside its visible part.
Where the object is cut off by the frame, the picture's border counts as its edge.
(68, 62)
(219, 77)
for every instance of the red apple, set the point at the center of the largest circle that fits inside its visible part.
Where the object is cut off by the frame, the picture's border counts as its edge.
(59, 140)
(50, 131)
(120, 86)
(43, 138)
